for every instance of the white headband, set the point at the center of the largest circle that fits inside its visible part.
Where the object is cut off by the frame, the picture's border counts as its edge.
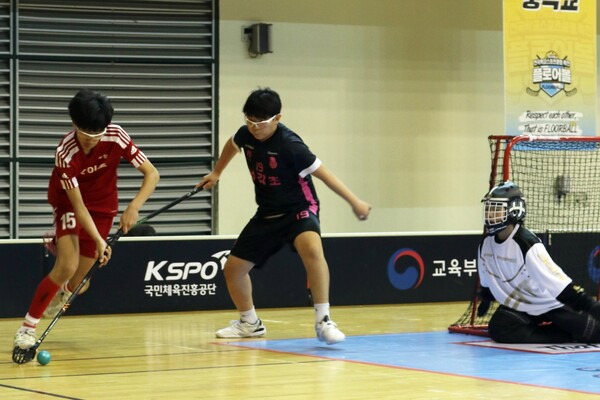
(91, 135)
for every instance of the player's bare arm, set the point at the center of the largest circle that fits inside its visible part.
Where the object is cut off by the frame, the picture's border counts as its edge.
(360, 208)
(103, 252)
(210, 180)
(131, 213)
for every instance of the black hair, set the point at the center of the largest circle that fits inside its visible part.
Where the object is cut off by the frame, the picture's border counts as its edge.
(262, 103)
(90, 111)
(142, 230)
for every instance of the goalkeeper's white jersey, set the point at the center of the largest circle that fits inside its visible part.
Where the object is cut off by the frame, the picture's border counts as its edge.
(520, 273)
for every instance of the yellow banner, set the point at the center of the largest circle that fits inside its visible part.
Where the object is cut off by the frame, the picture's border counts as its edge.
(550, 67)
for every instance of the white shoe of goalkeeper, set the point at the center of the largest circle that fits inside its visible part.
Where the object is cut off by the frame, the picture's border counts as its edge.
(25, 338)
(328, 332)
(241, 329)
(58, 301)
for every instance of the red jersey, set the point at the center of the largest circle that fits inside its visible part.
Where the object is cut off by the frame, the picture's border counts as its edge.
(95, 173)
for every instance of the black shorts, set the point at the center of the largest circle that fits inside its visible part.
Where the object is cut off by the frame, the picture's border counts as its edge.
(263, 237)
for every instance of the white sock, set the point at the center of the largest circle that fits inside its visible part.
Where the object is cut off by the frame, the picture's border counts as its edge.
(30, 322)
(321, 311)
(249, 316)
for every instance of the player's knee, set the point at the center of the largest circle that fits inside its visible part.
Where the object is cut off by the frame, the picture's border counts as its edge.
(312, 254)
(316, 259)
(507, 326)
(500, 333)
(591, 332)
(63, 270)
(235, 268)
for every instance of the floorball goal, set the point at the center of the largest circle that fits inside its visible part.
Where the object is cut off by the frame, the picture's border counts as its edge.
(560, 180)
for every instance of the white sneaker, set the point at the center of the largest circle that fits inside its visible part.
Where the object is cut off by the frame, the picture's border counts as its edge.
(25, 338)
(240, 329)
(328, 332)
(58, 301)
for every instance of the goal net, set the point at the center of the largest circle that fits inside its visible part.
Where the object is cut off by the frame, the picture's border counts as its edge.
(560, 180)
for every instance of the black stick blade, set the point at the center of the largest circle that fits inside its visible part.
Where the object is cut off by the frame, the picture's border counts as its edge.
(22, 356)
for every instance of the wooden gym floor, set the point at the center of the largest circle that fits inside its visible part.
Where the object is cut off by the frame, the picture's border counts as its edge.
(392, 352)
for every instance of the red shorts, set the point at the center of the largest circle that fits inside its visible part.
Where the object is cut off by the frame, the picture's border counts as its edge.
(65, 223)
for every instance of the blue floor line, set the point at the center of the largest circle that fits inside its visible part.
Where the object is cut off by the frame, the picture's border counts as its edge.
(443, 352)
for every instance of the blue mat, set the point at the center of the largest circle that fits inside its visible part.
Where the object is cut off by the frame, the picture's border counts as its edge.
(446, 353)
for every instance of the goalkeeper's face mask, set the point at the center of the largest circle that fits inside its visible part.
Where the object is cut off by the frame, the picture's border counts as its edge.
(495, 217)
(503, 206)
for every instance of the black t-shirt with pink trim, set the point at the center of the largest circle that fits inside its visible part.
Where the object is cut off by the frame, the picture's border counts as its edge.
(280, 168)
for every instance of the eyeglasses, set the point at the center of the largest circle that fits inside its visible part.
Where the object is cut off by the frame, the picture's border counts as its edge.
(91, 135)
(259, 124)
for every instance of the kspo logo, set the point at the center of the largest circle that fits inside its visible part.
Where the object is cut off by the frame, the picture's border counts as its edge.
(175, 271)
(405, 269)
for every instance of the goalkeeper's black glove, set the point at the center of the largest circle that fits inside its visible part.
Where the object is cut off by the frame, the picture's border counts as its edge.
(485, 301)
(575, 297)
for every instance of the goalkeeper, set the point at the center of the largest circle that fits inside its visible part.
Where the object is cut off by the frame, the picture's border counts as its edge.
(538, 302)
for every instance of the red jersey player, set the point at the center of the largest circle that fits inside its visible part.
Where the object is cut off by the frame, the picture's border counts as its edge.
(83, 195)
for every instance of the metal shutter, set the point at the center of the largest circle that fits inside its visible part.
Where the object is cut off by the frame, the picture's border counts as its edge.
(5, 199)
(6, 168)
(156, 62)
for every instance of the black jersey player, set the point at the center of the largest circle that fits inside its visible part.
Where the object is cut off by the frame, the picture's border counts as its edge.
(281, 166)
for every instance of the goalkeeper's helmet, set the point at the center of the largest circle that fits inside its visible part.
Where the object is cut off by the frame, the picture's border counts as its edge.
(502, 206)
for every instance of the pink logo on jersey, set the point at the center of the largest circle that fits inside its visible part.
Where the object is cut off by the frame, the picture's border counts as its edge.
(248, 153)
(272, 162)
